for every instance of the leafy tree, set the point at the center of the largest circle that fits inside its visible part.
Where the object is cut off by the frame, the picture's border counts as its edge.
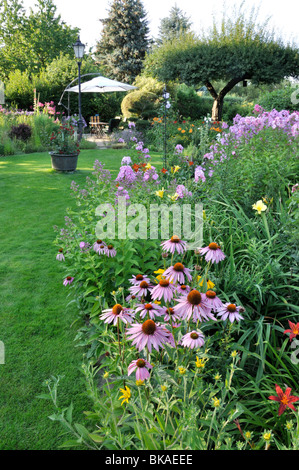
(30, 42)
(123, 44)
(172, 26)
(239, 49)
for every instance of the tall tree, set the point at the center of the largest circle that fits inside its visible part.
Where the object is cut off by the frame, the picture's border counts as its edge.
(174, 25)
(124, 40)
(31, 41)
(239, 49)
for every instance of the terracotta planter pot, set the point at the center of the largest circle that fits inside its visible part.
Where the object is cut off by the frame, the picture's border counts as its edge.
(62, 162)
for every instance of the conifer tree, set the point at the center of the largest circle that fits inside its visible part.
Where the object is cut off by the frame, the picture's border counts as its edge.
(174, 25)
(124, 42)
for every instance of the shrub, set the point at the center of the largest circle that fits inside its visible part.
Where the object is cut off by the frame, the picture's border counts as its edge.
(21, 132)
(142, 104)
(279, 100)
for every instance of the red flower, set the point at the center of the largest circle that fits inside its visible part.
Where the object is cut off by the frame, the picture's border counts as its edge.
(294, 330)
(284, 398)
(191, 163)
(164, 170)
(135, 167)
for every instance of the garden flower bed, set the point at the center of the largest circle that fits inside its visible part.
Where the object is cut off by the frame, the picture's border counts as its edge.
(189, 345)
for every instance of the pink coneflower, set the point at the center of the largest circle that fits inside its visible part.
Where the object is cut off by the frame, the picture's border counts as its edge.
(170, 338)
(169, 314)
(212, 253)
(177, 273)
(183, 289)
(99, 245)
(130, 297)
(135, 280)
(141, 290)
(110, 251)
(68, 280)
(151, 310)
(230, 311)
(174, 244)
(163, 289)
(192, 340)
(117, 312)
(141, 366)
(192, 305)
(60, 255)
(147, 334)
(211, 300)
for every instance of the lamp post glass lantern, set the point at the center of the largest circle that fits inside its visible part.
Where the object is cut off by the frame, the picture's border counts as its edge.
(79, 53)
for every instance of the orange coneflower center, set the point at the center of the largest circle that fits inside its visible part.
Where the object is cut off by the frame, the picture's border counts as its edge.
(139, 277)
(179, 267)
(170, 311)
(164, 283)
(117, 309)
(69, 278)
(175, 239)
(110, 247)
(102, 246)
(148, 306)
(99, 242)
(194, 336)
(60, 250)
(143, 284)
(149, 327)
(140, 363)
(231, 308)
(194, 297)
(211, 294)
(214, 246)
(183, 287)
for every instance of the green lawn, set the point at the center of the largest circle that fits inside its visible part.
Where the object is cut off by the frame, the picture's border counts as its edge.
(35, 324)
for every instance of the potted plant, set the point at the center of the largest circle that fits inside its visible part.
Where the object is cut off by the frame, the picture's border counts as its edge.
(65, 148)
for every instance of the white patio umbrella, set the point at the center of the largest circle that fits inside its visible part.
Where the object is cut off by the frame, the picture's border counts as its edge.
(101, 85)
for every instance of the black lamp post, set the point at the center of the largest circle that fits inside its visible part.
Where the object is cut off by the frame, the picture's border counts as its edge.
(79, 53)
(166, 105)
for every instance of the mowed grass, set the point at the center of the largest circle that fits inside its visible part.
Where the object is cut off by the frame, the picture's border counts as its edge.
(35, 322)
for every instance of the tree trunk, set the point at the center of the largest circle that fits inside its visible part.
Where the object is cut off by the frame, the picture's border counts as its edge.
(217, 109)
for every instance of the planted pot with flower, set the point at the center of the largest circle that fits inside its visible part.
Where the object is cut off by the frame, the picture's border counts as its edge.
(64, 148)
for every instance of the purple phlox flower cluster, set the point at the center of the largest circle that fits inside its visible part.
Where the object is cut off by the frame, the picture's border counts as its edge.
(199, 174)
(242, 130)
(151, 174)
(121, 192)
(126, 161)
(182, 191)
(126, 174)
(179, 148)
(139, 146)
(131, 125)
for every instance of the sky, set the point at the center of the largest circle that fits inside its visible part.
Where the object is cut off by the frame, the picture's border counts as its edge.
(85, 14)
